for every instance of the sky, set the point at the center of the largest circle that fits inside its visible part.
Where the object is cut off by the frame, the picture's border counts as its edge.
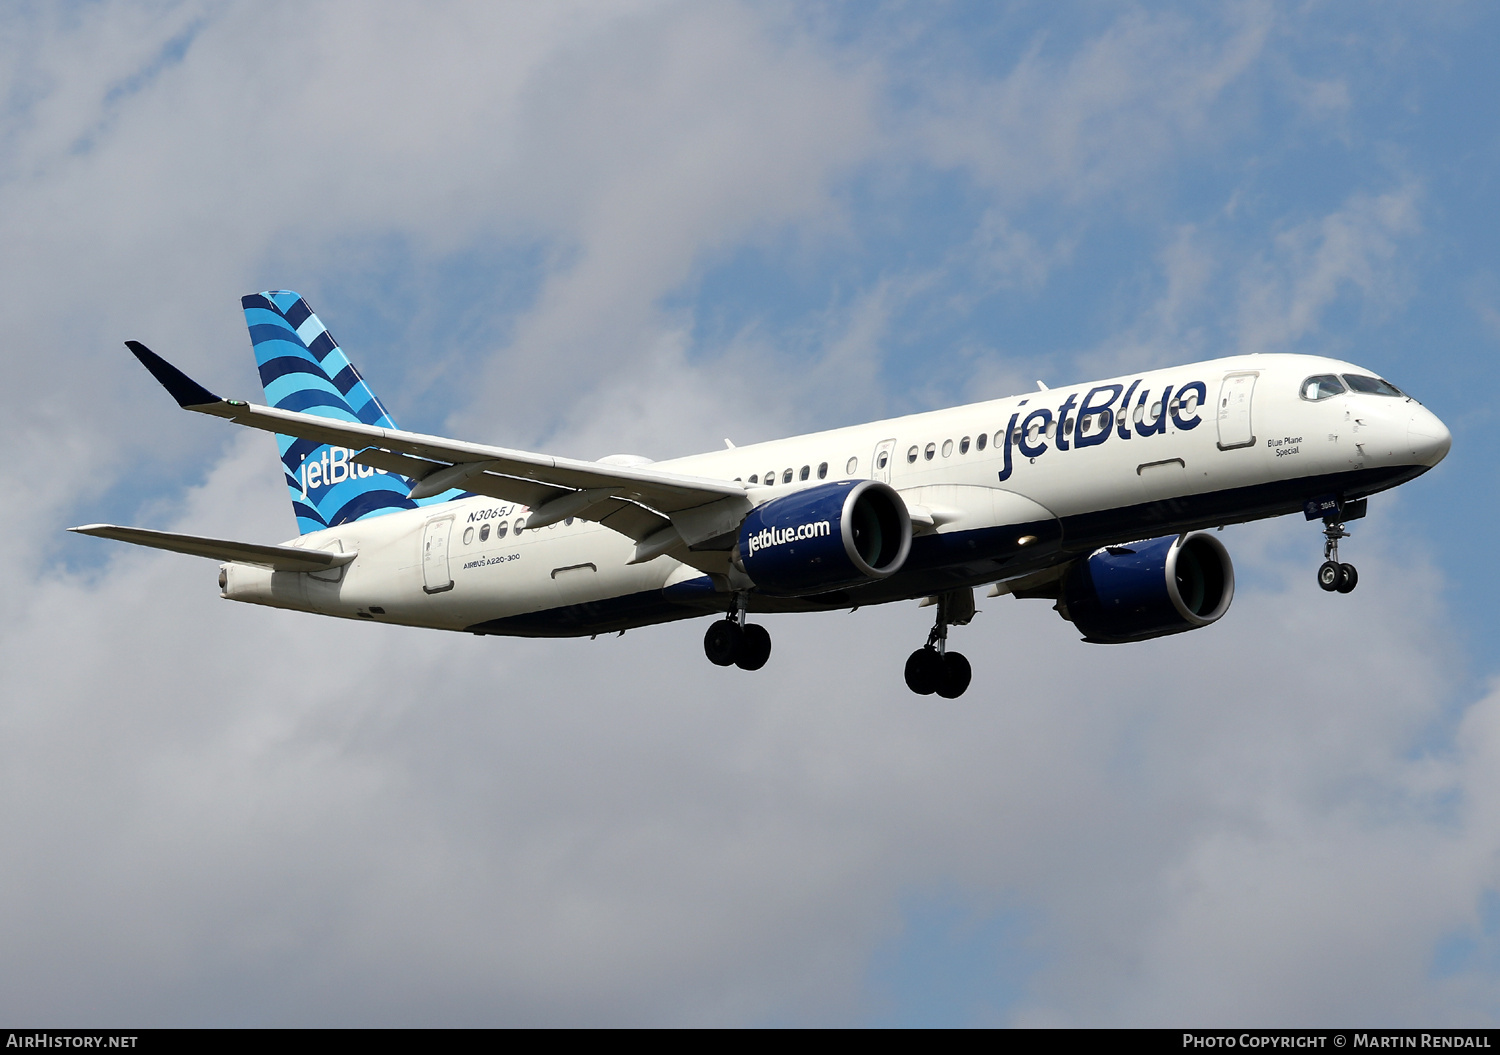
(640, 227)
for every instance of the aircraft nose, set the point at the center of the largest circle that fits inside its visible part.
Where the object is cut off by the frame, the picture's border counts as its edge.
(1429, 437)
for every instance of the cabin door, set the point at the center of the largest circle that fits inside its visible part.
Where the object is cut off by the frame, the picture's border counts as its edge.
(1234, 411)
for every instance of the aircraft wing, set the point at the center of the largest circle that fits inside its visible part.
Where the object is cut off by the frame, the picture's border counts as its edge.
(277, 558)
(638, 501)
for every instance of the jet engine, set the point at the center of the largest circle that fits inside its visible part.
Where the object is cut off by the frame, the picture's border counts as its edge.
(825, 538)
(1148, 589)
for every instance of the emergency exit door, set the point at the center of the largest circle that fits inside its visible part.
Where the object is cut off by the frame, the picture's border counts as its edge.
(435, 574)
(880, 465)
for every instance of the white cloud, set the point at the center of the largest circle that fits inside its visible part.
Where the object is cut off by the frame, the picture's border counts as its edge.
(1219, 295)
(1109, 114)
(1316, 262)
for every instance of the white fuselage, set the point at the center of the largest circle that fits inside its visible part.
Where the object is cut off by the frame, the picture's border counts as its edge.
(1240, 444)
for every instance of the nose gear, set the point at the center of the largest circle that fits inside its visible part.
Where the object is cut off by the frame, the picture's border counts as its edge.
(1332, 575)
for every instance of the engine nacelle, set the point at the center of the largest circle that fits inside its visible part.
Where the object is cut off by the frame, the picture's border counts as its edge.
(825, 538)
(1149, 589)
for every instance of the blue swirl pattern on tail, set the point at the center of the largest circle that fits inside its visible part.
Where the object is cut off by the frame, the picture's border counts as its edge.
(302, 368)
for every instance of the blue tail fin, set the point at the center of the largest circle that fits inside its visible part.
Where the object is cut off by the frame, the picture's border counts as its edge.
(302, 368)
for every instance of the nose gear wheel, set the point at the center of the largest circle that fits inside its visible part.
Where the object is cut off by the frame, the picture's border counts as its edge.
(1333, 576)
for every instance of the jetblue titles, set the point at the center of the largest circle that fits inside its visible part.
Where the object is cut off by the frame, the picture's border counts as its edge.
(771, 536)
(332, 466)
(1098, 417)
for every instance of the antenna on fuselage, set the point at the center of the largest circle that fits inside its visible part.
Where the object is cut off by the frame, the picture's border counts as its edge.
(1041, 386)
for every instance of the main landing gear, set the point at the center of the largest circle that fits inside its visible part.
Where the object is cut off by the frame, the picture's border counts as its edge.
(1331, 574)
(733, 642)
(932, 668)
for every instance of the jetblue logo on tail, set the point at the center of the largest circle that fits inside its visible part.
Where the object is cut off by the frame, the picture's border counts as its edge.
(302, 368)
(333, 465)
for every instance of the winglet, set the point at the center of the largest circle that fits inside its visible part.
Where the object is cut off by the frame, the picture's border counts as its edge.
(182, 388)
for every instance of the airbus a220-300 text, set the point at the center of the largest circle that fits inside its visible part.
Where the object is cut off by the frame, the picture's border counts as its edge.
(1096, 496)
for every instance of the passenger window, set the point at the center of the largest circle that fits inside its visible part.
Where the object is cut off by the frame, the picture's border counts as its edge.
(963, 445)
(786, 477)
(1068, 427)
(1140, 412)
(879, 465)
(755, 478)
(1086, 423)
(501, 528)
(805, 473)
(947, 448)
(980, 442)
(1051, 428)
(484, 533)
(520, 527)
(823, 470)
(568, 522)
(771, 478)
(1373, 386)
(930, 452)
(854, 464)
(911, 455)
(468, 535)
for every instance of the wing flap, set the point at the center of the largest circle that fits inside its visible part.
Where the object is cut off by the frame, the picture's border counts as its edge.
(277, 558)
(632, 521)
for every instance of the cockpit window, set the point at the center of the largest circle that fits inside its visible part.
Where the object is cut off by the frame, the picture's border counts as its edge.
(1321, 386)
(1371, 385)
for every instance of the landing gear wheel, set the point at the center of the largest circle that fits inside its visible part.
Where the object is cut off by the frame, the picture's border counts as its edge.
(1330, 575)
(924, 671)
(1348, 578)
(955, 677)
(723, 642)
(755, 647)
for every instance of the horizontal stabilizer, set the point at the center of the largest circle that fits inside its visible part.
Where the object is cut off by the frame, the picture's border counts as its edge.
(277, 558)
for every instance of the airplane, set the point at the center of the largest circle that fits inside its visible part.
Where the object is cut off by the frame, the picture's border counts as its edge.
(1098, 497)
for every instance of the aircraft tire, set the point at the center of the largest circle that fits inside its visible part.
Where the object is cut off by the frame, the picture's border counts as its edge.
(956, 675)
(723, 642)
(1348, 578)
(923, 670)
(755, 647)
(1330, 575)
